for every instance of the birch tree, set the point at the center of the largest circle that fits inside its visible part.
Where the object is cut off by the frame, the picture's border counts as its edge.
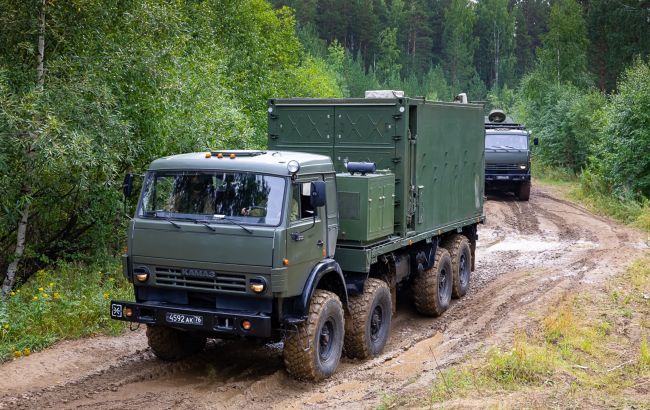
(31, 138)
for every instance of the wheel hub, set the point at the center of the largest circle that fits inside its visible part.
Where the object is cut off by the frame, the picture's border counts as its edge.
(463, 270)
(325, 340)
(376, 322)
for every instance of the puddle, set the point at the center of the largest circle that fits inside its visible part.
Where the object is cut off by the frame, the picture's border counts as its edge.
(537, 245)
(525, 245)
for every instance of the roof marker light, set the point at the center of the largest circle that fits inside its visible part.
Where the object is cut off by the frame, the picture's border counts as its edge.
(208, 155)
(219, 155)
(232, 156)
(293, 166)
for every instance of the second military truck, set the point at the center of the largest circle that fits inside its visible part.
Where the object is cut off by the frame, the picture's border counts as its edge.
(507, 155)
(308, 241)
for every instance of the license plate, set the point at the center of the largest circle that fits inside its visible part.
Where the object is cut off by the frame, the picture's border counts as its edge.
(184, 319)
(503, 177)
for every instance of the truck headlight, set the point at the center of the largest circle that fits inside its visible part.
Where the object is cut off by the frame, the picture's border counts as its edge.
(523, 166)
(257, 285)
(141, 274)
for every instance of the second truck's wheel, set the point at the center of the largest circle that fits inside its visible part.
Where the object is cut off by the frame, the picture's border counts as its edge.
(172, 344)
(313, 351)
(432, 288)
(367, 324)
(523, 191)
(461, 263)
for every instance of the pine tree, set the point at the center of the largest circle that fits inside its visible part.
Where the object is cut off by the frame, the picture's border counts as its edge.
(459, 43)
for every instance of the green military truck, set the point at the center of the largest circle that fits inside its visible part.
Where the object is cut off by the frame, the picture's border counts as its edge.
(507, 155)
(308, 241)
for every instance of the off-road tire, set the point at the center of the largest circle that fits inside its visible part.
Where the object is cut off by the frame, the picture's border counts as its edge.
(172, 344)
(461, 256)
(302, 348)
(432, 288)
(523, 191)
(367, 322)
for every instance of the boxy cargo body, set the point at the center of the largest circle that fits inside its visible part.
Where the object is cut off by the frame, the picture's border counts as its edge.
(435, 150)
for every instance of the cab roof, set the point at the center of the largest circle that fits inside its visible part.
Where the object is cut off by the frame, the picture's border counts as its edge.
(264, 162)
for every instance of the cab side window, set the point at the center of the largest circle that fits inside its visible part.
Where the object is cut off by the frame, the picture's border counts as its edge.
(300, 202)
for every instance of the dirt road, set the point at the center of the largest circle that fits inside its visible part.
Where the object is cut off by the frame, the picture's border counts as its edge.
(529, 255)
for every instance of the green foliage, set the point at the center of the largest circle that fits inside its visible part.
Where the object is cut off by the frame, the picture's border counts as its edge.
(565, 121)
(125, 83)
(495, 56)
(388, 68)
(459, 44)
(65, 302)
(621, 157)
(563, 57)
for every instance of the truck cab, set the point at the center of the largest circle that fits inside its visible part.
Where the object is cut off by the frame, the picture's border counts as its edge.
(221, 241)
(507, 156)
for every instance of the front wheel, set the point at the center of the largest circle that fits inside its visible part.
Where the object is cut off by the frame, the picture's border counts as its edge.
(173, 344)
(367, 323)
(523, 192)
(313, 351)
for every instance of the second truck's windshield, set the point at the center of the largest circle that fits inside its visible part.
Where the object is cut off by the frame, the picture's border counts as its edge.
(507, 141)
(213, 196)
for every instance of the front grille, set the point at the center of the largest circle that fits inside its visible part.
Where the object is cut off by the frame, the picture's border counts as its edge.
(503, 167)
(222, 281)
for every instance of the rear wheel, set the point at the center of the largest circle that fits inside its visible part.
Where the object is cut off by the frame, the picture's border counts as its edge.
(367, 323)
(313, 351)
(173, 344)
(523, 191)
(461, 263)
(432, 288)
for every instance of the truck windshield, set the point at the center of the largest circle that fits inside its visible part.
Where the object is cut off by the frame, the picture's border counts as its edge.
(209, 196)
(506, 141)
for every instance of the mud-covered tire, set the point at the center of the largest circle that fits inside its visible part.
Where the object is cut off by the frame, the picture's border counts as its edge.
(367, 322)
(523, 191)
(461, 263)
(172, 344)
(432, 288)
(313, 351)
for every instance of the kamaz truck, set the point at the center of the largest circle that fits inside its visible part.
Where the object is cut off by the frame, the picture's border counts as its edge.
(507, 155)
(308, 241)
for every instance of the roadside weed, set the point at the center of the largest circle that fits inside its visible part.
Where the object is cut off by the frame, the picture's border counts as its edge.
(66, 302)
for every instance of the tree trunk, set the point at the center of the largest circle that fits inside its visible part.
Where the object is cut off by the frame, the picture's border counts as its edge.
(10, 277)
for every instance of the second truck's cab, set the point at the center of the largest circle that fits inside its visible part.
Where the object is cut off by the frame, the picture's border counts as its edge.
(507, 155)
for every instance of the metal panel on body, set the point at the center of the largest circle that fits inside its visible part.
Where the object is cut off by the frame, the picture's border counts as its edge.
(302, 128)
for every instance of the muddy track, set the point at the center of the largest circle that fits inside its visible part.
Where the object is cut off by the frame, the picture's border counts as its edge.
(530, 255)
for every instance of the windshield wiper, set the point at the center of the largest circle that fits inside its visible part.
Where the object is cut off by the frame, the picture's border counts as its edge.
(177, 226)
(232, 221)
(206, 224)
(168, 219)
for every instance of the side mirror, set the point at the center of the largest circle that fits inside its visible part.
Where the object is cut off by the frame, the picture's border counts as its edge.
(318, 196)
(127, 185)
(535, 141)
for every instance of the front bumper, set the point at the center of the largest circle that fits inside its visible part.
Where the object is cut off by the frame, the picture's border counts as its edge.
(490, 178)
(212, 320)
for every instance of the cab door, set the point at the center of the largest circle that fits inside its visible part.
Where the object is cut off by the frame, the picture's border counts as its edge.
(306, 236)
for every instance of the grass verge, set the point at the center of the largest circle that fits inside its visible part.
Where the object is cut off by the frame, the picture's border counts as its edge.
(590, 350)
(67, 302)
(582, 189)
